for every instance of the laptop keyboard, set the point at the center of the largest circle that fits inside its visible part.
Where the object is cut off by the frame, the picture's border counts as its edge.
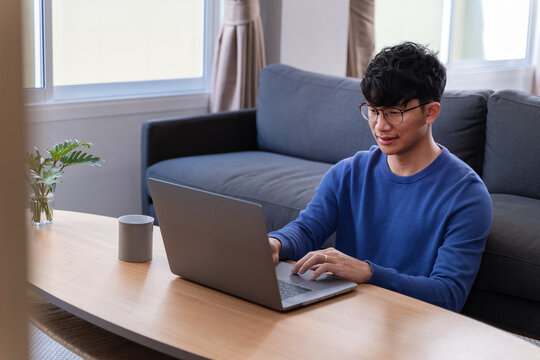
(288, 290)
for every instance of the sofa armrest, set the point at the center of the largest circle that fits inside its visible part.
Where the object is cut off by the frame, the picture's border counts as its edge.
(196, 135)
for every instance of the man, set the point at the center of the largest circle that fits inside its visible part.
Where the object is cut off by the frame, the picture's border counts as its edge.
(409, 216)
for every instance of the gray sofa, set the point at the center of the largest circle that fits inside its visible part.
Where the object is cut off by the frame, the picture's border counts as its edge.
(277, 154)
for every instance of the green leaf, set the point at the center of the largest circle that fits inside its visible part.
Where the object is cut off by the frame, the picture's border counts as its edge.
(60, 150)
(51, 176)
(78, 157)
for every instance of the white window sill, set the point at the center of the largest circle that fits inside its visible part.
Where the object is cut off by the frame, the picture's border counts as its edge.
(55, 111)
(517, 78)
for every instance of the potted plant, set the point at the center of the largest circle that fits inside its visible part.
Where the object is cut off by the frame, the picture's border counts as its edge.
(45, 172)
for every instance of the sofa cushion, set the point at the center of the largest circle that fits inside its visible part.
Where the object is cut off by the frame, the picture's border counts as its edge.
(511, 262)
(309, 115)
(461, 125)
(512, 151)
(281, 184)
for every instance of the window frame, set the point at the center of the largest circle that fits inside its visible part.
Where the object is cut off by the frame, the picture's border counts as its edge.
(39, 94)
(449, 8)
(121, 90)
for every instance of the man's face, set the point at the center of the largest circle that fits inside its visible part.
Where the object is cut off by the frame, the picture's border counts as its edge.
(410, 134)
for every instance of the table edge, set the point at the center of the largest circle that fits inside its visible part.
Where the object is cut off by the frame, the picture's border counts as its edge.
(116, 329)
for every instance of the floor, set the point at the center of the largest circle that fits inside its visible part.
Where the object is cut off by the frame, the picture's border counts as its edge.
(42, 347)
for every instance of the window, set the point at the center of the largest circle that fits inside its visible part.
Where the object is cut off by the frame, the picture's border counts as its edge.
(118, 48)
(412, 20)
(490, 30)
(465, 33)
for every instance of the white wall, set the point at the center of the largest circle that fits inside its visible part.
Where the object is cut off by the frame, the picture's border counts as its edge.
(314, 35)
(308, 34)
(115, 130)
(271, 19)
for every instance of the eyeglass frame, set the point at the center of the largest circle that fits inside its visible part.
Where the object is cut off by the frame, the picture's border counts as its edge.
(385, 115)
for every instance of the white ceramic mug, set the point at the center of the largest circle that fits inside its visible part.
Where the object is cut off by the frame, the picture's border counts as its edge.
(135, 238)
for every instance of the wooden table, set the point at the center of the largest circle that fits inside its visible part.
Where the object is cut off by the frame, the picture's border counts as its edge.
(74, 265)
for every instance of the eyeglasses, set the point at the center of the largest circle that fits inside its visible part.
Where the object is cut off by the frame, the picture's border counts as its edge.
(392, 115)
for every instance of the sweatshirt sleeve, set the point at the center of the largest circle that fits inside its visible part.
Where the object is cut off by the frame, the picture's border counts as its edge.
(315, 223)
(458, 258)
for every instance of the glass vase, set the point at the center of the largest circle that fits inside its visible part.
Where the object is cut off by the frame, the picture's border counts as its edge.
(41, 209)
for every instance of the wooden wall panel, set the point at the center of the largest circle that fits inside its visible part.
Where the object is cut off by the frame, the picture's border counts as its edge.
(13, 312)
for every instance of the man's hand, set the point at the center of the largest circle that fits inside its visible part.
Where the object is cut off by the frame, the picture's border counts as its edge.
(336, 262)
(275, 246)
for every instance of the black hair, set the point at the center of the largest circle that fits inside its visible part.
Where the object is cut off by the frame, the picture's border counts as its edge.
(401, 73)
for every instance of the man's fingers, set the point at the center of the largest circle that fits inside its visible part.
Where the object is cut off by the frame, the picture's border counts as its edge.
(301, 262)
(313, 259)
(321, 269)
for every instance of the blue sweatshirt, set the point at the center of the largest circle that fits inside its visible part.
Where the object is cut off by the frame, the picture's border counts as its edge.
(423, 235)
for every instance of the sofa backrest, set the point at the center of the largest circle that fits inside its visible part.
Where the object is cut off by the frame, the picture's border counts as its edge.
(315, 117)
(461, 125)
(309, 115)
(512, 153)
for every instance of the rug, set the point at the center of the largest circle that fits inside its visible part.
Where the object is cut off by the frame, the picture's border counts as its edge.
(42, 347)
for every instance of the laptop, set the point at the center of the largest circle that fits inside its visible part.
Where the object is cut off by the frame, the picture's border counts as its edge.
(222, 242)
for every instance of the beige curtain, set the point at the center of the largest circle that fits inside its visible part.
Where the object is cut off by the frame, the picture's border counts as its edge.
(361, 36)
(238, 58)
